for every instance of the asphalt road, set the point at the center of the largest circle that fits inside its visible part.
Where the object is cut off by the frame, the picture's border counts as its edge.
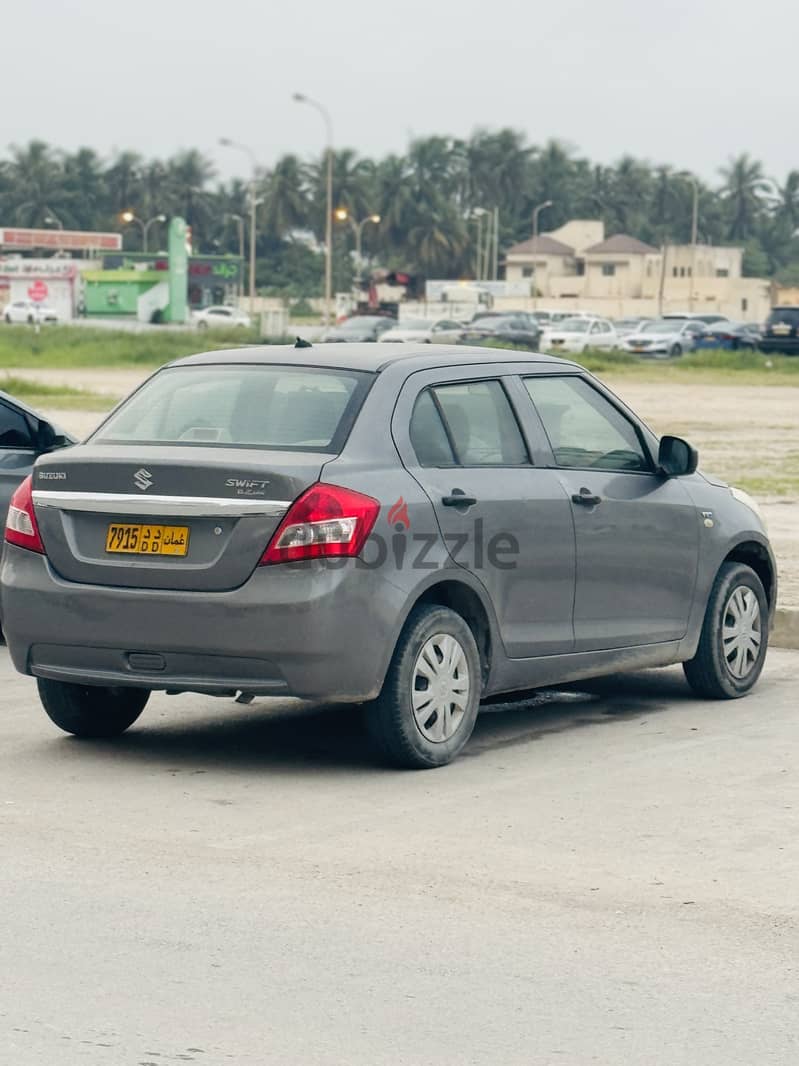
(609, 875)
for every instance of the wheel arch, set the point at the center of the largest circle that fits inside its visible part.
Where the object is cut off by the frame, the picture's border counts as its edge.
(464, 600)
(755, 555)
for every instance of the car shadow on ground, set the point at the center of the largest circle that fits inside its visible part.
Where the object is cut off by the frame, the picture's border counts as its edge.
(273, 736)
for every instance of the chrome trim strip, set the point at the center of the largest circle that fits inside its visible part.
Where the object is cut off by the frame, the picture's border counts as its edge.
(188, 506)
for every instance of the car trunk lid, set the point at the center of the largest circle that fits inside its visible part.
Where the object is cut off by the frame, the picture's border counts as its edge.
(210, 511)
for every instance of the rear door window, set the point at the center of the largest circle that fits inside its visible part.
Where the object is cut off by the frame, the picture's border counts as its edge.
(468, 424)
(299, 408)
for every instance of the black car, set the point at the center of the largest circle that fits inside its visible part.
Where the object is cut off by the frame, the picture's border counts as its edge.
(359, 328)
(517, 327)
(781, 331)
(24, 436)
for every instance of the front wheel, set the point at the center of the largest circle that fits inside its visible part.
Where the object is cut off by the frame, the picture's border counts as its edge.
(428, 706)
(676, 349)
(734, 639)
(91, 711)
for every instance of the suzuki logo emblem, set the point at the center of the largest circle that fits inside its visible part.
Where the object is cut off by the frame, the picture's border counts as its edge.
(143, 479)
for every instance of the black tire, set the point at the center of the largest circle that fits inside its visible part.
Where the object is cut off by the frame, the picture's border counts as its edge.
(202, 325)
(709, 673)
(391, 720)
(676, 349)
(89, 711)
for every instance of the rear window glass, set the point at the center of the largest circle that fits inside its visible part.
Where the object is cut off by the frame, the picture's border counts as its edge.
(297, 408)
(784, 314)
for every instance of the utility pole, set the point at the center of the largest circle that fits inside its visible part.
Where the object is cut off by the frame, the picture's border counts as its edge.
(301, 98)
(536, 212)
(226, 141)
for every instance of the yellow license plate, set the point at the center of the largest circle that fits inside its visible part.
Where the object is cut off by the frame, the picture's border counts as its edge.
(147, 540)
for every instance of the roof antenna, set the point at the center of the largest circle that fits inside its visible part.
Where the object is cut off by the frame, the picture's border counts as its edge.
(300, 343)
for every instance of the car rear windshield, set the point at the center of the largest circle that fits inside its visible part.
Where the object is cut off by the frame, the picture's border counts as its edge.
(297, 408)
(784, 314)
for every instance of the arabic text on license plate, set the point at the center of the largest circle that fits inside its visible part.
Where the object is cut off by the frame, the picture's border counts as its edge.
(147, 540)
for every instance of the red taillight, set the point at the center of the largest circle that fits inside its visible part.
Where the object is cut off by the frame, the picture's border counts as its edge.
(326, 520)
(21, 526)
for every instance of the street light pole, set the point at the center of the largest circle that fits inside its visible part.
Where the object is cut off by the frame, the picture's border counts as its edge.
(301, 98)
(228, 143)
(148, 223)
(343, 215)
(694, 234)
(128, 217)
(536, 211)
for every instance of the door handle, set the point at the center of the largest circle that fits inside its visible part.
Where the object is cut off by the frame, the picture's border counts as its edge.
(458, 498)
(586, 498)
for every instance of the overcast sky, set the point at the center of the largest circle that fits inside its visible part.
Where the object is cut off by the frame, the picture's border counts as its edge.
(685, 82)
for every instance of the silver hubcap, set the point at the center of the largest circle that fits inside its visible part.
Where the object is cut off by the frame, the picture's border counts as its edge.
(441, 687)
(741, 635)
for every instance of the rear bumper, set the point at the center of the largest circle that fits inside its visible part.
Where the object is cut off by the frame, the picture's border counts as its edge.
(308, 630)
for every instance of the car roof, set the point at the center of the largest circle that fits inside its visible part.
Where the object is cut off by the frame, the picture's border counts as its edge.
(371, 358)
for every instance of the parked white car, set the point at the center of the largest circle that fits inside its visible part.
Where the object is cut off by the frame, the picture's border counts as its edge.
(579, 334)
(221, 316)
(422, 331)
(667, 336)
(21, 311)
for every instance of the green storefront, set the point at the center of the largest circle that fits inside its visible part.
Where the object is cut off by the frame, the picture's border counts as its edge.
(117, 292)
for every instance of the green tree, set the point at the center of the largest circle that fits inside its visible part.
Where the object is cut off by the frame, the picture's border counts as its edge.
(743, 182)
(36, 186)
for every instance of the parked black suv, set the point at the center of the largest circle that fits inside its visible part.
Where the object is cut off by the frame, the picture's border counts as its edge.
(781, 332)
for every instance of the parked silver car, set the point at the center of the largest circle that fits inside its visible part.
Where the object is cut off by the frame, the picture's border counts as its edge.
(665, 337)
(413, 528)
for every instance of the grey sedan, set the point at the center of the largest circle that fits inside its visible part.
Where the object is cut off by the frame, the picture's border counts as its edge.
(413, 528)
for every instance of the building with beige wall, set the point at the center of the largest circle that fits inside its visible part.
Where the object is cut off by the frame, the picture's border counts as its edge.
(576, 266)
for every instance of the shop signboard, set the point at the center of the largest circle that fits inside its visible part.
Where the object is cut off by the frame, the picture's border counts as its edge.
(60, 240)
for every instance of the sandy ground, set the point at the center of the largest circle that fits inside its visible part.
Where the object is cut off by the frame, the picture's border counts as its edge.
(741, 431)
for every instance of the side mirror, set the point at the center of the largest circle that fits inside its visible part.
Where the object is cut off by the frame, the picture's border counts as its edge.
(676, 457)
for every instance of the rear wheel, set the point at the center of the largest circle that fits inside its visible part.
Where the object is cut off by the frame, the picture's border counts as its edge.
(427, 709)
(89, 711)
(732, 647)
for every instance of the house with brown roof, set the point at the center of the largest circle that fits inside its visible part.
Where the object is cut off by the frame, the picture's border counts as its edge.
(577, 266)
(619, 267)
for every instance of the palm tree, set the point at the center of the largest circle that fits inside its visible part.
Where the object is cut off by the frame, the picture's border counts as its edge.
(743, 182)
(629, 195)
(123, 181)
(396, 200)
(36, 185)
(286, 206)
(185, 190)
(788, 207)
(85, 189)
